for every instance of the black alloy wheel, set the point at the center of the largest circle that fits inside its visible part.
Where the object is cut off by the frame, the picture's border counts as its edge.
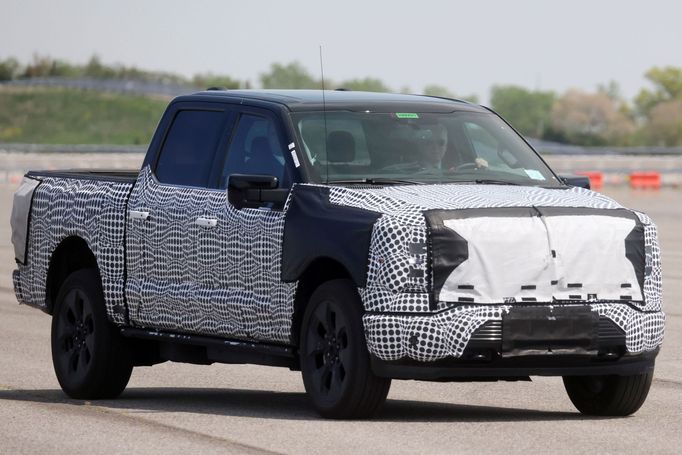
(90, 358)
(333, 354)
(327, 344)
(76, 333)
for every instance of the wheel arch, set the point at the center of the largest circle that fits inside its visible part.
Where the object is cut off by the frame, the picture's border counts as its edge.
(320, 270)
(73, 253)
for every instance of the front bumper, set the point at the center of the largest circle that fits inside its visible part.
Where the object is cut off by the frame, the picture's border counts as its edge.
(518, 368)
(449, 333)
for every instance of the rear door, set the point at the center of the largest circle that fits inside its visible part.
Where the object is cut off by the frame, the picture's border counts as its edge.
(175, 197)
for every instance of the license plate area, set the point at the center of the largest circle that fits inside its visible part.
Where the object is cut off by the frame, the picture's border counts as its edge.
(548, 330)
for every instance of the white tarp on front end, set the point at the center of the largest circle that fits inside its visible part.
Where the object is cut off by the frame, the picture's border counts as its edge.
(542, 258)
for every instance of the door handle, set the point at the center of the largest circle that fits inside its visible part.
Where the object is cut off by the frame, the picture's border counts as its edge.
(138, 215)
(206, 222)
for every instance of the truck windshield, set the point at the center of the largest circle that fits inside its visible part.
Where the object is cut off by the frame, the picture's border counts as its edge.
(416, 147)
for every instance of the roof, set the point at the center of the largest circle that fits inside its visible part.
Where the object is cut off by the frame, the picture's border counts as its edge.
(312, 100)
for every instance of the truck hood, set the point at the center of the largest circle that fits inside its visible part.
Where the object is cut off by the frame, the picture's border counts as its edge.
(394, 200)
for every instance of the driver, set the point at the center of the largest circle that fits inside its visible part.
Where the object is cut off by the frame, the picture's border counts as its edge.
(433, 143)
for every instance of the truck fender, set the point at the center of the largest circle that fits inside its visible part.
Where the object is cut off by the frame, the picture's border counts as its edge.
(315, 228)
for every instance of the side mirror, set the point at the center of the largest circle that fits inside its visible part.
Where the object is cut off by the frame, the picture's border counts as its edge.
(581, 181)
(254, 191)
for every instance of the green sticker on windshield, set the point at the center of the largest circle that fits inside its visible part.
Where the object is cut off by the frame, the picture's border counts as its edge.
(406, 115)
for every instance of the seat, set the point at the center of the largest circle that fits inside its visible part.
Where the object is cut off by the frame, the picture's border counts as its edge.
(261, 159)
(340, 147)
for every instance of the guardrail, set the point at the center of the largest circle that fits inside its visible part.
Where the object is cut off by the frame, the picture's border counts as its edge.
(553, 148)
(70, 148)
(168, 89)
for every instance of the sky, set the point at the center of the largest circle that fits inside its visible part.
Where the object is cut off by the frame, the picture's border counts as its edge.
(466, 46)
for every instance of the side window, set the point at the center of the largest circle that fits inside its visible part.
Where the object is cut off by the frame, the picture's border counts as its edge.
(187, 154)
(255, 149)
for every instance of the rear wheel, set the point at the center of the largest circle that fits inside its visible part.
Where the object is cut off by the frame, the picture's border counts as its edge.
(608, 395)
(90, 357)
(333, 353)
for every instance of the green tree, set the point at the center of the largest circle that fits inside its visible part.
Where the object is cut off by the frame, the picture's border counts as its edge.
(665, 124)
(368, 84)
(667, 84)
(612, 90)
(215, 80)
(9, 69)
(41, 66)
(60, 68)
(290, 76)
(591, 119)
(438, 90)
(529, 111)
(442, 91)
(96, 69)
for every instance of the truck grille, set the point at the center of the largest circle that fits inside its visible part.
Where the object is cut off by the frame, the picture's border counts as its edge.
(491, 331)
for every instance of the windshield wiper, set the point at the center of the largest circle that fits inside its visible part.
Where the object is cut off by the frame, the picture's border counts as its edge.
(495, 182)
(376, 181)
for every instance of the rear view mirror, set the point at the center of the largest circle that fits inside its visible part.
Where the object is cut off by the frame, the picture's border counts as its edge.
(253, 191)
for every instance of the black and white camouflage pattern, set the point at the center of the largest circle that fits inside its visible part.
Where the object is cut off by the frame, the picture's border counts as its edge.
(223, 281)
(93, 210)
(226, 281)
(446, 334)
(653, 275)
(399, 280)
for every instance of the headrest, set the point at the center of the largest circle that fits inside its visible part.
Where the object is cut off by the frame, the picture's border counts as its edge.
(340, 147)
(260, 146)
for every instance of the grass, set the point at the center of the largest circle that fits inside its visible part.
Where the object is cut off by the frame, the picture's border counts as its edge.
(66, 116)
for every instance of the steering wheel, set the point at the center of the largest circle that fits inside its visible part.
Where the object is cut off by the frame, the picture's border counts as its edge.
(465, 166)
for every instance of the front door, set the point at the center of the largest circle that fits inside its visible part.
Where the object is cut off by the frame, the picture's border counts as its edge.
(246, 270)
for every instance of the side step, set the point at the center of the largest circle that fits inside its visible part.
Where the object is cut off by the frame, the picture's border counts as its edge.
(162, 346)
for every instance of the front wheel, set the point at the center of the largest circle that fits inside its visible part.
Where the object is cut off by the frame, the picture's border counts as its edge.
(90, 357)
(333, 354)
(608, 395)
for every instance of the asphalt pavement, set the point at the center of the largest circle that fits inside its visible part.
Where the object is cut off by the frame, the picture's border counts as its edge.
(178, 408)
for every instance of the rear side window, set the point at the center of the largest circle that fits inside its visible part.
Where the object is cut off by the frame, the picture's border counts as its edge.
(187, 154)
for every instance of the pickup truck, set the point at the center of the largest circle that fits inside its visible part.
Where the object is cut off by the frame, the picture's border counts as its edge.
(356, 237)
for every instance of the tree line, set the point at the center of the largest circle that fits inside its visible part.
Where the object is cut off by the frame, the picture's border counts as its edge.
(591, 118)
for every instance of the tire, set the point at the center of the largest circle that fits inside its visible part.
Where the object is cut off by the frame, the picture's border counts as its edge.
(333, 353)
(90, 358)
(608, 395)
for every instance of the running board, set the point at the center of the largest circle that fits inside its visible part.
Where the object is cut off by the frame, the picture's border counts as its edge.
(203, 350)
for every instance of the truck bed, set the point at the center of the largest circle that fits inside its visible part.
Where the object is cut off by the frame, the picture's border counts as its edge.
(110, 175)
(87, 205)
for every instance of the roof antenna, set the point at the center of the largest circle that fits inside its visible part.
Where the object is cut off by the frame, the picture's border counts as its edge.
(324, 116)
